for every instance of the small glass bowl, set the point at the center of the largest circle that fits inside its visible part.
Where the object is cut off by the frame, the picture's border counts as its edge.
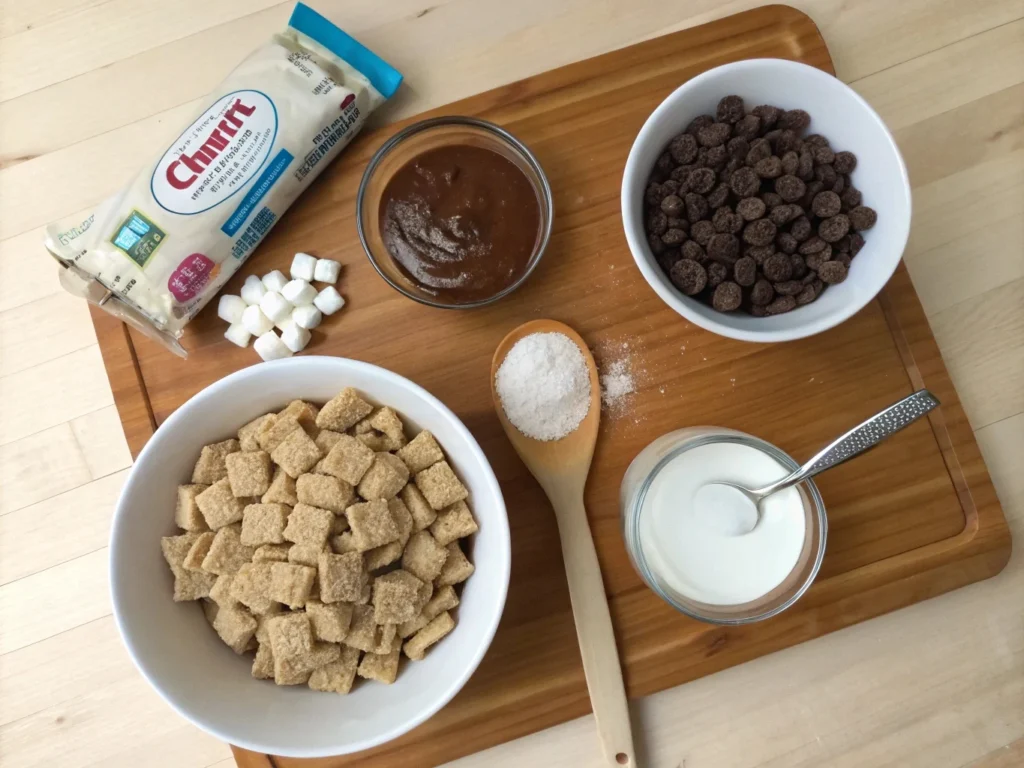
(637, 481)
(413, 141)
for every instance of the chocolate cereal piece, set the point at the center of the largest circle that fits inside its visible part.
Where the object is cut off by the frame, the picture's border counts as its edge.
(785, 142)
(727, 297)
(851, 198)
(759, 253)
(702, 232)
(832, 272)
(670, 187)
(671, 206)
(799, 266)
(700, 121)
(790, 163)
(701, 180)
(717, 272)
(800, 229)
(809, 293)
(862, 218)
(759, 150)
(826, 174)
(780, 305)
(673, 237)
(663, 165)
(778, 268)
(688, 276)
(794, 119)
(696, 207)
(718, 196)
(760, 232)
(653, 194)
(745, 271)
(783, 214)
(716, 157)
(771, 200)
(751, 208)
(726, 221)
(724, 248)
(656, 222)
(786, 242)
(835, 228)
(713, 135)
(762, 292)
(805, 165)
(691, 250)
(748, 127)
(730, 109)
(657, 248)
(856, 243)
(844, 162)
(788, 287)
(769, 168)
(812, 245)
(815, 260)
(790, 188)
(683, 148)
(769, 115)
(825, 204)
(744, 182)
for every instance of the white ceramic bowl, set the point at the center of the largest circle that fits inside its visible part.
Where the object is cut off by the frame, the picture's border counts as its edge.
(179, 653)
(838, 113)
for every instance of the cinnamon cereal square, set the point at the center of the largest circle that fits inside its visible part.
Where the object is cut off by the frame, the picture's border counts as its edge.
(338, 676)
(382, 667)
(227, 553)
(220, 593)
(296, 454)
(372, 524)
(343, 411)
(248, 473)
(444, 600)
(325, 492)
(396, 597)
(271, 553)
(421, 452)
(385, 477)
(309, 525)
(344, 543)
(326, 439)
(424, 557)
(236, 627)
(457, 567)
(210, 466)
(263, 664)
(342, 577)
(282, 489)
(365, 634)
(330, 622)
(439, 485)
(416, 647)
(422, 513)
(305, 554)
(379, 557)
(247, 435)
(388, 423)
(274, 430)
(251, 586)
(375, 441)
(403, 519)
(348, 460)
(219, 505)
(197, 553)
(192, 585)
(454, 522)
(292, 671)
(264, 524)
(186, 514)
(290, 584)
(290, 635)
(175, 549)
(304, 413)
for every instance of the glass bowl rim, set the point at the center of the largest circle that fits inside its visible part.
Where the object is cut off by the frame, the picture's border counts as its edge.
(546, 201)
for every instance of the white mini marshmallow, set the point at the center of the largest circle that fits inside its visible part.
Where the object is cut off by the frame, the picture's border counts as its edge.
(326, 271)
(284, 324)
(307, 317)
(296, 338)
(253, 290)
(275, 281)
(329, 300)
(275, 306)
(299, 292)
(303, 266)
(238, 334)
(230, 308)
(255, 322)
(270, 347)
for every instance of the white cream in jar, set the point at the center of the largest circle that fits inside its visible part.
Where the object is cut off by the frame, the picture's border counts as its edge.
(699, 548)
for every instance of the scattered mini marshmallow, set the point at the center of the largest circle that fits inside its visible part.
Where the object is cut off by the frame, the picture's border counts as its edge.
(326, 271)
(303, 266)
(299, 292)
(284, 324)
(275, 306)
(255, 322)
(253, 290)
(238, 334)
(329, 300)
(230, 308)
(307, 316)
(296, 338)
(270, 347)
(275, 281)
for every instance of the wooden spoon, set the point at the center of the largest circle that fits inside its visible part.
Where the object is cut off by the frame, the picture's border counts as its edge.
(561, 467)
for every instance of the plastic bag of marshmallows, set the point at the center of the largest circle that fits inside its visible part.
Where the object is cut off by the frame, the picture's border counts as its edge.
(156, 252)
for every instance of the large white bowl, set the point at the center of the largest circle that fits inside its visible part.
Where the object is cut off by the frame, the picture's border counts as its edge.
(838, 113)
(200, 677)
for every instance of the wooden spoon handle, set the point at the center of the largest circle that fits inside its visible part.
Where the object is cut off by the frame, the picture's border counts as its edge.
(594, 630)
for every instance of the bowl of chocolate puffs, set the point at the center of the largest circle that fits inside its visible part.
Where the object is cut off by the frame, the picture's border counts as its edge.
(310, 557)
(765, 200)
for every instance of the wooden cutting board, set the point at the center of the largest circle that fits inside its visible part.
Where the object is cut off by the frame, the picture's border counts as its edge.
(914, 518)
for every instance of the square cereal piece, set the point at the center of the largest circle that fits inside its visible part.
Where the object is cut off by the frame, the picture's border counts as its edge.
(248, 473)
(263, 623)
(378, 557)
(263, 664)
(197, 552)
(348, 460)
(403, 519)
(439, 485)
(330, 622)
(220, 593)
(251, 587)
(305, 554)
(388, 639)
(443, 600)
(210, 609)
(281, 490)
(343, 411)
(236, 628)
(366, 635)
(374, 441)
(309, 525)
(396, 597)
(304, 413)
(421, 452)
(271, 553)
(363, 426)
(338, 676)
(409, 628)
(293, 671)
(364, 596)
(192, 585)
(219, 505)
(210, 466)
(264, 524)
(325, 492)
(326, 439)
(290, 635)
(344, 543)
(296, 454)
(424, 557)
(416, 647)
(290, 584)
(176, 548)
(457, 567)
(382, 667)
(454, 522)
(388, 422)
(186, 514)
(385, 477)
(342, 577)
(274, 430)
(247, 434)
(372, 524)
(227, 553)
(422, 513)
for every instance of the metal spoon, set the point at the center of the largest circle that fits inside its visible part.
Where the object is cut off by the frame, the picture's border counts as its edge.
(855, 442)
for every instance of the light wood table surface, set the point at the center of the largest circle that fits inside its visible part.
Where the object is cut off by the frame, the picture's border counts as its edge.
(91, 89)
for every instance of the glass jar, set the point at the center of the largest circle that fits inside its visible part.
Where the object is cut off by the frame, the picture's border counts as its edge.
(635, 485)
